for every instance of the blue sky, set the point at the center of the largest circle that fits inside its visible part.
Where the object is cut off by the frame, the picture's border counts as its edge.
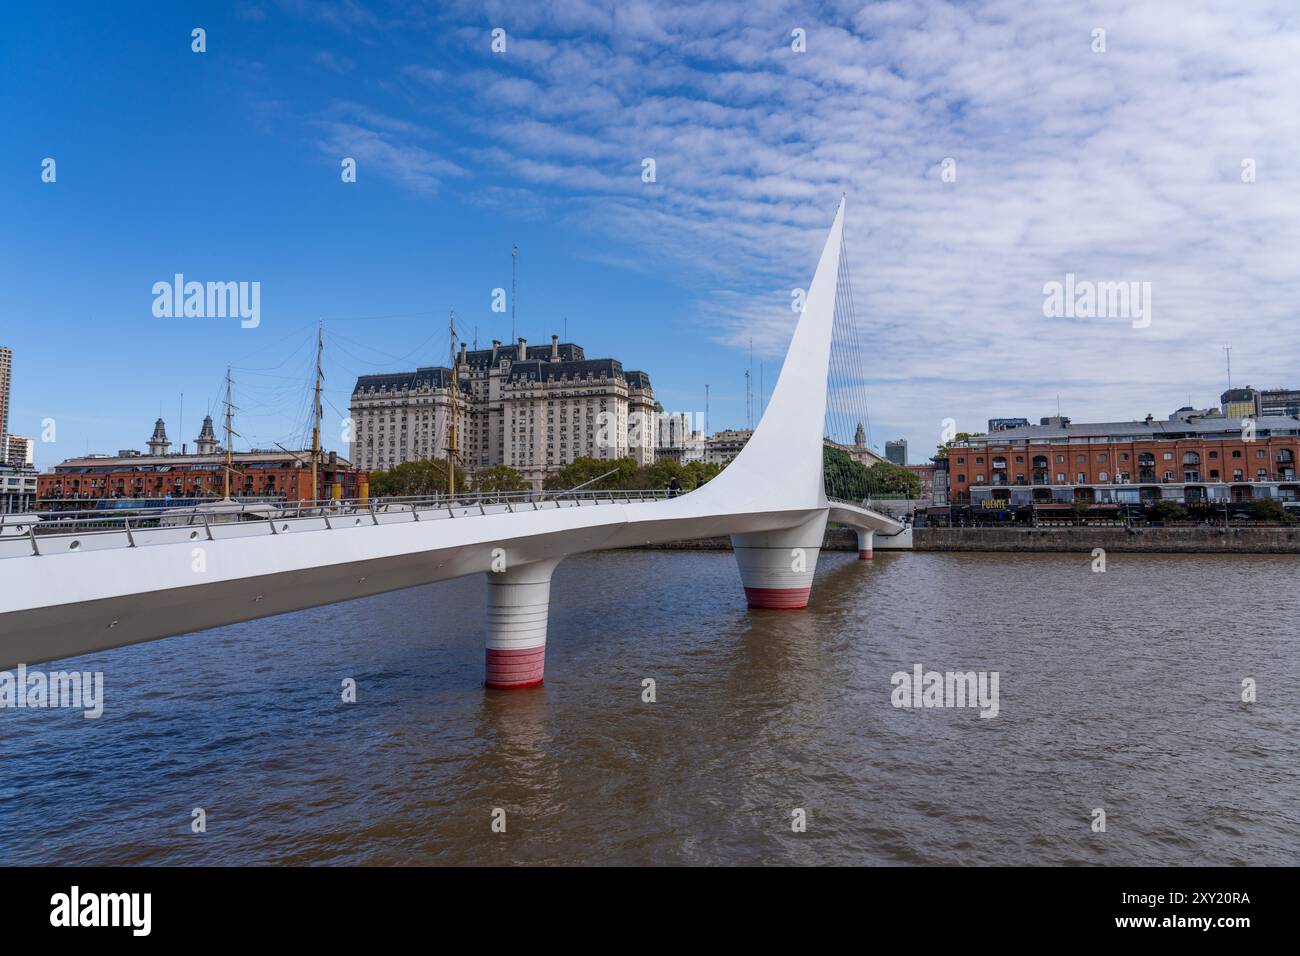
(1116, 166)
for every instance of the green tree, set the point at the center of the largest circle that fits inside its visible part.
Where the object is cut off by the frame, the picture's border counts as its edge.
(660, 473)
(699, 472)
(656, 476)
(629, 476)
(1270, 510)
(582, 470)
(412, 478)
(500, 478)
(1164, 510)
(845, 477)
(886, 478)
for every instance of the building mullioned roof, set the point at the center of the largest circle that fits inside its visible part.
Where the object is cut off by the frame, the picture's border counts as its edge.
(546, 371)
(538, 367)
(436, 376)
(482, 358)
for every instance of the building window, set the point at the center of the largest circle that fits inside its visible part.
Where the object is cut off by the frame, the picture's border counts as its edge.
(1060, 460)
(1060, 477)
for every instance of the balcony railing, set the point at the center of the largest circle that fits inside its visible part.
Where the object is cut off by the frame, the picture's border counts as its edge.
(1132, 483)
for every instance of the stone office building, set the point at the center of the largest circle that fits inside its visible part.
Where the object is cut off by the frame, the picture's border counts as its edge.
(531, 408)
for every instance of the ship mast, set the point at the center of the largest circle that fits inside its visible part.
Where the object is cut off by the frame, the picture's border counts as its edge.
(226, 493)
(315, 431)
(451, 427)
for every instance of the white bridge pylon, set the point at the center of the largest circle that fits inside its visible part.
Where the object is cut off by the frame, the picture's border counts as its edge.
(71, 594)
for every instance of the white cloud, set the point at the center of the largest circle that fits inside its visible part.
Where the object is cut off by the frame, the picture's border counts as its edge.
(1123, 165)
(383, 145)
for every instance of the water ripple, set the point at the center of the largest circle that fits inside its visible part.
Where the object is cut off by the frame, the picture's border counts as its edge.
(1118, 691)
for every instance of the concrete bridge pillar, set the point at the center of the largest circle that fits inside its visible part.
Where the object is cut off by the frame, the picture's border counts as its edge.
(519, 600)
(865, 540)
(776, 567)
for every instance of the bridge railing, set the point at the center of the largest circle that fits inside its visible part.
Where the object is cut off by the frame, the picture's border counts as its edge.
(857, 503)
(94, 529)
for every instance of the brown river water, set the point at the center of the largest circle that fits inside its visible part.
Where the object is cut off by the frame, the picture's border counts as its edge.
(1118, 691)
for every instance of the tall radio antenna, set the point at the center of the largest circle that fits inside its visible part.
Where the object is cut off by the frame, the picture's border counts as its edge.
(451, 425)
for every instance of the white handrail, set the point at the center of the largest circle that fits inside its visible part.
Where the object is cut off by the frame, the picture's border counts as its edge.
(56, 525)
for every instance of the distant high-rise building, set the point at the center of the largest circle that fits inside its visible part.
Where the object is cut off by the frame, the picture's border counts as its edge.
(1280, 401)
(678, 440)
(1241, 402)
(896, 451)
(19, 450)
(6, 377)
(725, 445)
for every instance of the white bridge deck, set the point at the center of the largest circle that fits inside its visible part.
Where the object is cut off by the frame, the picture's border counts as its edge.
(82, 583)
(67, 591)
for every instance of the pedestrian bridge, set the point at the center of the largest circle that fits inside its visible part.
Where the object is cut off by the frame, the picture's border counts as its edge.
(73, 585)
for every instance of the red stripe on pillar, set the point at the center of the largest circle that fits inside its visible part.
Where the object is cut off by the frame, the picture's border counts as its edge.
(515, 667)
(778, 598)
(864, 555)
